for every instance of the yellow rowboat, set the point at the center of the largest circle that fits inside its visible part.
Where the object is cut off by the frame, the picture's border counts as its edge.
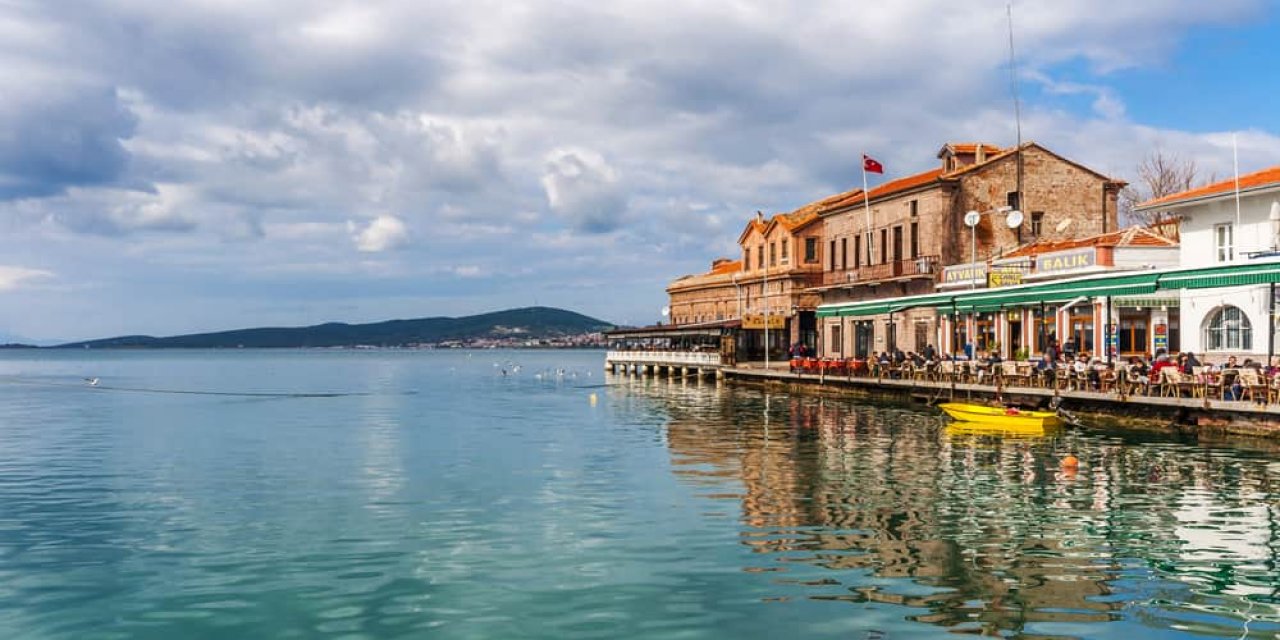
(1007, 419)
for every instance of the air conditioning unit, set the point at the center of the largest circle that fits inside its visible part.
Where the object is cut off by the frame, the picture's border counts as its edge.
(850, 277)
(923, 265)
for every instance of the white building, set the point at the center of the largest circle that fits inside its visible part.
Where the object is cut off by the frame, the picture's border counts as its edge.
(1221, 224)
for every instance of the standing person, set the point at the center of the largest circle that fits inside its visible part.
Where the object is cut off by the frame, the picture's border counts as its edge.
(1069, 348)
(929, 353)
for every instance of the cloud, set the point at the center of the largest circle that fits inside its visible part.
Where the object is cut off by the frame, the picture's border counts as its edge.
(242, 147)
(583, 188)
(50, 142)
(381, 234)
(12, 278)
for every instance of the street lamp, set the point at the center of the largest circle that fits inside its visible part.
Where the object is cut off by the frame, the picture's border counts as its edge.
(1013, 220)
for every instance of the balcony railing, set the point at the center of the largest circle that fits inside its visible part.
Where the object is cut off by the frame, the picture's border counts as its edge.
(686, 358)
(918, 267)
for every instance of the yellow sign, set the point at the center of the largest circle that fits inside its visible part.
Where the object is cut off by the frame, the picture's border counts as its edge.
(757, 321)
(1004, 277)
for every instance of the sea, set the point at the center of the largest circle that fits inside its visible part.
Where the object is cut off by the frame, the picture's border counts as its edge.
(368, 494)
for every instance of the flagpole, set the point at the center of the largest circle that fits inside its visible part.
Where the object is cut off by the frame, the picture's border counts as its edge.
(866, 202)
(1235, 161)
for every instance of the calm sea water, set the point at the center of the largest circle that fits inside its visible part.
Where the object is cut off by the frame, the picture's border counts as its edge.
(444, 499)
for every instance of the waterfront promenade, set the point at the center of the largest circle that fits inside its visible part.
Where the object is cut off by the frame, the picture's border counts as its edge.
(1184, 402)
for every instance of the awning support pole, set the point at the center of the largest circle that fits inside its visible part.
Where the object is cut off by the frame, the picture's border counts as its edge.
(1271, 323)
(1107, 326)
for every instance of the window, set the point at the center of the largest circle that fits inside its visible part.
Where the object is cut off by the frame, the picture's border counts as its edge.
(810, 250)
(1037, 218)
(785, 242)
(746, 259)
(1223, 237)
(832, 255)
(773, 254)
(1133, 335)
(835, 339)
(1012, 199)
(844, 253)
(922, 336)
(1228, 329)
(857, 250)
(884, 249)
(915, 208)
(915, 240)
(760, 256)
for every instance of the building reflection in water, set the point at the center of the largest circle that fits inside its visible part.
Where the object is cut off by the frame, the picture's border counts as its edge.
(979, 534)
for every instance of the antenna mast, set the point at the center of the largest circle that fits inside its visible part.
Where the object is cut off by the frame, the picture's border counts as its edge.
(1017, 112)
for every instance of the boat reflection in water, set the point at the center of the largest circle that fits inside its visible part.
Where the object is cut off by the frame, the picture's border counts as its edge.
(890, 509)
(981, 429)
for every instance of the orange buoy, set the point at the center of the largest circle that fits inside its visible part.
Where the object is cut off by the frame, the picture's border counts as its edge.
(1070, 462)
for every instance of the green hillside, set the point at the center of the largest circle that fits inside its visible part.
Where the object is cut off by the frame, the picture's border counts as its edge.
(528, 323)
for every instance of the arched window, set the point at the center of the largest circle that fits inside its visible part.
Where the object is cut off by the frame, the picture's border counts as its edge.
(1228, 329)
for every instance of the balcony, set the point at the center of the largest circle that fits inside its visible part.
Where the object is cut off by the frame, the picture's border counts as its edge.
(926, 267)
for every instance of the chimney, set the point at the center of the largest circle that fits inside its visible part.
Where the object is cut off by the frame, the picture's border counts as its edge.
(980, 155)
(759, 216)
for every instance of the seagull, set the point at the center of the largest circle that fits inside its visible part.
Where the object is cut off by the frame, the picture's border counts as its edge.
(93, 382)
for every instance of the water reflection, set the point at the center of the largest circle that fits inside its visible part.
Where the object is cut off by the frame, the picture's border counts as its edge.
(886, 506)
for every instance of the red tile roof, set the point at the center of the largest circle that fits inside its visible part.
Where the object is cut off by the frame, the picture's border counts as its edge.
(1263, 178)
(1130, 237)
(888, 188)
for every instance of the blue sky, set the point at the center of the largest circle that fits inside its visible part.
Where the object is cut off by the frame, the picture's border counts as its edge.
(172, 167)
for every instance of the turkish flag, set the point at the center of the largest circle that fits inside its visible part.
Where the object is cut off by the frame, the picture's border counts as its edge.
(870, 165)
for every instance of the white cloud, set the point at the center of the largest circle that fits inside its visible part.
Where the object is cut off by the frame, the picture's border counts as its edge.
(381, 234)
(12, 278)
(583, 188)
(219, 142)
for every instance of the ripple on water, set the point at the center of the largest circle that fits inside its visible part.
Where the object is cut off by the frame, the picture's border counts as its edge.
(490, 506)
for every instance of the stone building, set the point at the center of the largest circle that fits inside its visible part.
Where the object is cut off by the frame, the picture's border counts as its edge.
(907, 236)
(770, 286)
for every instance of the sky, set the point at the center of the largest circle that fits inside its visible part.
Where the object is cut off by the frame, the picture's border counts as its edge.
(175, 166)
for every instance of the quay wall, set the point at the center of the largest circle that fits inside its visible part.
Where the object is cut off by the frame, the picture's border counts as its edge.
(1181, 416)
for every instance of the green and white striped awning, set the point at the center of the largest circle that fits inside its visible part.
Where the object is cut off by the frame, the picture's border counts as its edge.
(1232, 275)
(1132, 289)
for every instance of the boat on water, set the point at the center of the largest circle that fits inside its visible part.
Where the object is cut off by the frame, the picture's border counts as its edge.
(1002, 418)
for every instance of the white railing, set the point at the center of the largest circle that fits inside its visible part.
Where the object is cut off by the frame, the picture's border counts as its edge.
(665, 357)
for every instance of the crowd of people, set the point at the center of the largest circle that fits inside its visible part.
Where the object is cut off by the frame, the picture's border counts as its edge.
(1090, 370)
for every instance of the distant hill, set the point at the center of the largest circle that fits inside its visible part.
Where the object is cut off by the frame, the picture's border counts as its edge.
(531, 323)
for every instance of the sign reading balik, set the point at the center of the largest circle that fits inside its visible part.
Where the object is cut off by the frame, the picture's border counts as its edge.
(1065, 261)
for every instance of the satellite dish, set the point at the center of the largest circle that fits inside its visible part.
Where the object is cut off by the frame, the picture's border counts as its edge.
(1062, 225)
(666, 311)
(971, 219)
(1014, 219)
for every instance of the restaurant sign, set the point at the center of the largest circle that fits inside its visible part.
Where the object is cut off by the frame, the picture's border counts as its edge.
(1066, 261)
(758, 321)
(1004, 277)
(965, 274)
